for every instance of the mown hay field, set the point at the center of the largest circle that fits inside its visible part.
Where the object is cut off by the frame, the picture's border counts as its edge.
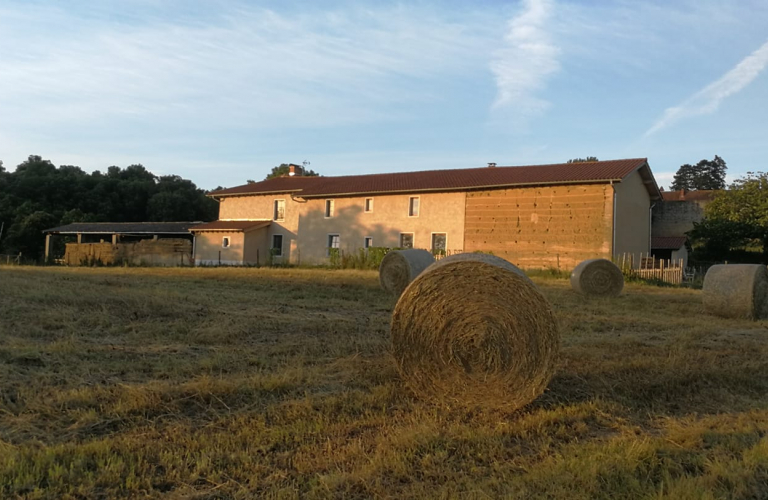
(279, 383)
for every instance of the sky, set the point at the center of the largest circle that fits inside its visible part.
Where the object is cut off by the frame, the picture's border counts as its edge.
(220, 92)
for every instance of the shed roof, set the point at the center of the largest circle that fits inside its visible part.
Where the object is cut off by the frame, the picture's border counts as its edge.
(232, 225)
(667, 242)
(123, 228)
(451, 180)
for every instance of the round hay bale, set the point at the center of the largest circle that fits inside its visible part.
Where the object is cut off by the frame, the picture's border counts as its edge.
(597, 277)
(474, 330)
(399, 267)
(736, 291)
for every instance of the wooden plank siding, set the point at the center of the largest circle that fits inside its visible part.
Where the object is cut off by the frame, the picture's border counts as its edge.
(541, 227)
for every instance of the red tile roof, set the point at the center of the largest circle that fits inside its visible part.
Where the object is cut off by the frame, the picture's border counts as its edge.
(444, 180)
(274, 185)
(231, 225)
(667, 242)
(683, 195)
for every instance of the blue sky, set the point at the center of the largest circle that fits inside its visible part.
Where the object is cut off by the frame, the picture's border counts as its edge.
(222, 91)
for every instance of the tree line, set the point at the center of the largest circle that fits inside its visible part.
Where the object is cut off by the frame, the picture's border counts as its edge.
(38, 196)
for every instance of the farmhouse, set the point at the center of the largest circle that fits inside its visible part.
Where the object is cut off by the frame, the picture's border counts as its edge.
(534, 216)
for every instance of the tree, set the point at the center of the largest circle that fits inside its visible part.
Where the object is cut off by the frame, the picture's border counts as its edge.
(736, 217)
(707, 174)
(285, 168)
(38, 195)
(583, 160)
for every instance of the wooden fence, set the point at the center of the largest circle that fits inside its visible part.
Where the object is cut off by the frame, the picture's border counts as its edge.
(442, 254)
(10, 260)
(649, 267)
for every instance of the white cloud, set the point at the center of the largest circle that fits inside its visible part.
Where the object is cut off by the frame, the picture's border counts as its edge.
(243, 67)
(707, 100)
(529, 57)
(664, 178)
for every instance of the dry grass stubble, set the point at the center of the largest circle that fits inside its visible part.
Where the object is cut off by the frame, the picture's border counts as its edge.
(243, 383)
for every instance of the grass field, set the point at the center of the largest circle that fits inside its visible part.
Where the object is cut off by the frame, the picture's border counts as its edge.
(258, 383)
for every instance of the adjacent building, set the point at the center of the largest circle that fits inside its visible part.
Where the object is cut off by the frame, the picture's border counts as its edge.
(677, 211)
(534, 216)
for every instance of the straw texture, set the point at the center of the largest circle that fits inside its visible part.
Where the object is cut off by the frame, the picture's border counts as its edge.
(597, 277)
(474, 330)
(736, 291)
(399, 267)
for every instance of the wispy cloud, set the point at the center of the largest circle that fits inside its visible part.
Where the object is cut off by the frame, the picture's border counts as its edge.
(522, 67)
(708, 99)
(243, 67)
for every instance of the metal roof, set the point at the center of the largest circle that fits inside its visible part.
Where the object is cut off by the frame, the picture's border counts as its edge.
(232, 225)
(123, 228)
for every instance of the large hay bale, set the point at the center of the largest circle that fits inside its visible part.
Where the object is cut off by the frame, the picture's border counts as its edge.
(597, 277)
(736, 291)
(474, 330)
(399, 267)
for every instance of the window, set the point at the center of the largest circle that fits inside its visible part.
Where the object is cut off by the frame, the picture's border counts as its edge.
(329, 208)
(225, 242)
(406, 240)
(277, 245)
(439, 243)
(333, 242)
(413, 206)
(279, 212)
(369, 205)
(367, 242)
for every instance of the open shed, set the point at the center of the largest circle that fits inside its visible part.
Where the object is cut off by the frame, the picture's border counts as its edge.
(152, 242)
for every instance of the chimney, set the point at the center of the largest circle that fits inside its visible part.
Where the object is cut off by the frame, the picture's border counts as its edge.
(291, 170)
(491, 164)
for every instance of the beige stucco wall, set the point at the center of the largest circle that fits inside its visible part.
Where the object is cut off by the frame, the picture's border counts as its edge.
(208, 246)
(261, 207)
(438, 213)
(540, 227)
(256, 250)
(633, 221)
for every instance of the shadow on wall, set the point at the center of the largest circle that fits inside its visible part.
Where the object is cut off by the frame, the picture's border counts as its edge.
(350, 224)
(267, 250)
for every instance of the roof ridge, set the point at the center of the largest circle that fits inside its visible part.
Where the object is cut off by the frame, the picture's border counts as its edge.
(443, 179)
(465, 169)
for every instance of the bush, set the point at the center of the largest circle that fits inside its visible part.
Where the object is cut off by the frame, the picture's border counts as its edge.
(362, 258)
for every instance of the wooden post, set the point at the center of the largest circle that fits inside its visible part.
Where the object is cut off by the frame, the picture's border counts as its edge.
(79, 238)
(47, 246)
(114, 239)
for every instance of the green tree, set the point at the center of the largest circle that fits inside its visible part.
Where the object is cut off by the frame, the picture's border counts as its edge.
(38, 195)
(707, 174)
(285, 168)
(583, 160)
